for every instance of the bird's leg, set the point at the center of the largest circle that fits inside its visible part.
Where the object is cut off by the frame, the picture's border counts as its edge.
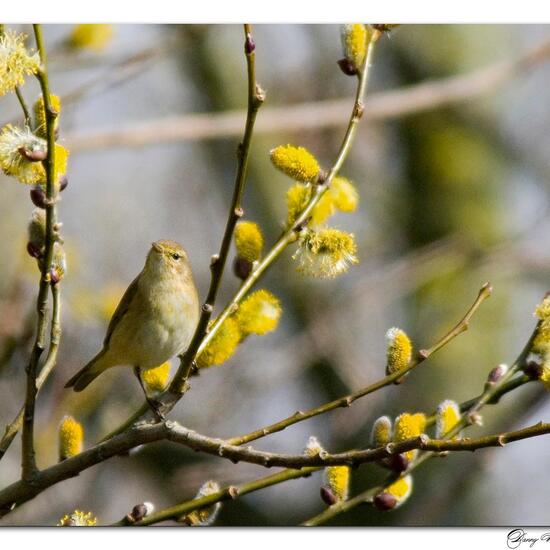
(153, 403)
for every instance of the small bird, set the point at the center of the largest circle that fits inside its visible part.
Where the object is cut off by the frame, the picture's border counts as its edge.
(154, 320)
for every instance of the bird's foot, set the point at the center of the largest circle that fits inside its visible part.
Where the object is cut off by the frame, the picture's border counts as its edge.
(156, 407)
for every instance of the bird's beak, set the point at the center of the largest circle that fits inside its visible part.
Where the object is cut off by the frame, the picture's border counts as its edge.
(157, 247)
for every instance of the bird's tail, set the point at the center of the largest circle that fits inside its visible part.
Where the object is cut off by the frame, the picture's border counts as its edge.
(90, 372)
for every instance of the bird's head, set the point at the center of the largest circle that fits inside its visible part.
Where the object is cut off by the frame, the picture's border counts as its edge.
(168, 258)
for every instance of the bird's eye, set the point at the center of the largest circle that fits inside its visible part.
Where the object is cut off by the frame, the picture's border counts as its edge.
(176, 256)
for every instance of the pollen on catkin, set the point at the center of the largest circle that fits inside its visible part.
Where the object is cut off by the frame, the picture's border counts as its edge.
(40, 114)
(78, 519)
(259, 313)
(354, 43)
(382, 431)
(540, 348)
(16, 62)
(298, 197)
(398, 350)
(222, 346)
(204, 516)
(325, 253)
(18, 146)
(296, 162)
(156, 379)
(71, 438)
(249, 241)
(344, 195)
(406, 426)
(336, 478)
(91, 36)
(446, 418)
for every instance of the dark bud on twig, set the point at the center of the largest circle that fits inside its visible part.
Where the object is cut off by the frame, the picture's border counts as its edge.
(34, 156)
(384, 502)
(249, 44)
(139, 511)
(347, 66)
(398, 463)
(38, 196)
(242, 268)
(533, 370)
(496, 374)
(322, 176)
(55, 277)
(34, 251)
(328, 496)
(63, 182)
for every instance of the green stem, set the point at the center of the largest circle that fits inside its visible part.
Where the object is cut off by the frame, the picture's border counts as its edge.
(230, 492)
(24, 106)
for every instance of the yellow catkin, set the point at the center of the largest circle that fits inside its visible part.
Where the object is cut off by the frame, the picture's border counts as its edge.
(71, 438)
(354, 43)
(16, 62)
(447, 417)
(398, 350)
(40, 114)
(249, 241)
(156, 379)
(381, 431)
(204, 516)
(222, 346)
(325, 253)
(540, 348)
(297, 198)
(344, 195)
(296, 162)
(337, 479)
(14, 139)
(401, 490)
(259, 313)
(78, 519)
(409, 425)
(91, 37)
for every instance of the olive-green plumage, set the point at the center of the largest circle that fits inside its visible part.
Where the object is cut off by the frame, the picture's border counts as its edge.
(155, 319)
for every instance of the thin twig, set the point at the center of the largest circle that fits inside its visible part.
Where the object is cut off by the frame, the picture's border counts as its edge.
(24, 106)
(28, 461)
(313, 116)
(347, 400)
(231, 492)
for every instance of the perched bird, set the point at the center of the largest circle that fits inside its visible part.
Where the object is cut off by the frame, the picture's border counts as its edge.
(154, 320)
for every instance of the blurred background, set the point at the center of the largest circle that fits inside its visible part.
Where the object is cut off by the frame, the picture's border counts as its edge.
(454, 180)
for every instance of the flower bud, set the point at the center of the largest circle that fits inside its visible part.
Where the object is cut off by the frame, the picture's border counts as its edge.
(336, 481)
(38, 196)
(242, 268)
(398, 350)
(497, 373)
(249, 241)
(327, 496)
(259, 313)
(139, 511)
(407, 426)
(381, 431)
(59, 263)
(447, 417)
(313, 447)
(296, 162)
(204, 516)
(71, 438)
(395, 494)
(36, 229)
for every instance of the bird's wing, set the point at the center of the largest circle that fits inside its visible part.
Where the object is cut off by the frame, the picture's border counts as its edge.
(121, 309)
